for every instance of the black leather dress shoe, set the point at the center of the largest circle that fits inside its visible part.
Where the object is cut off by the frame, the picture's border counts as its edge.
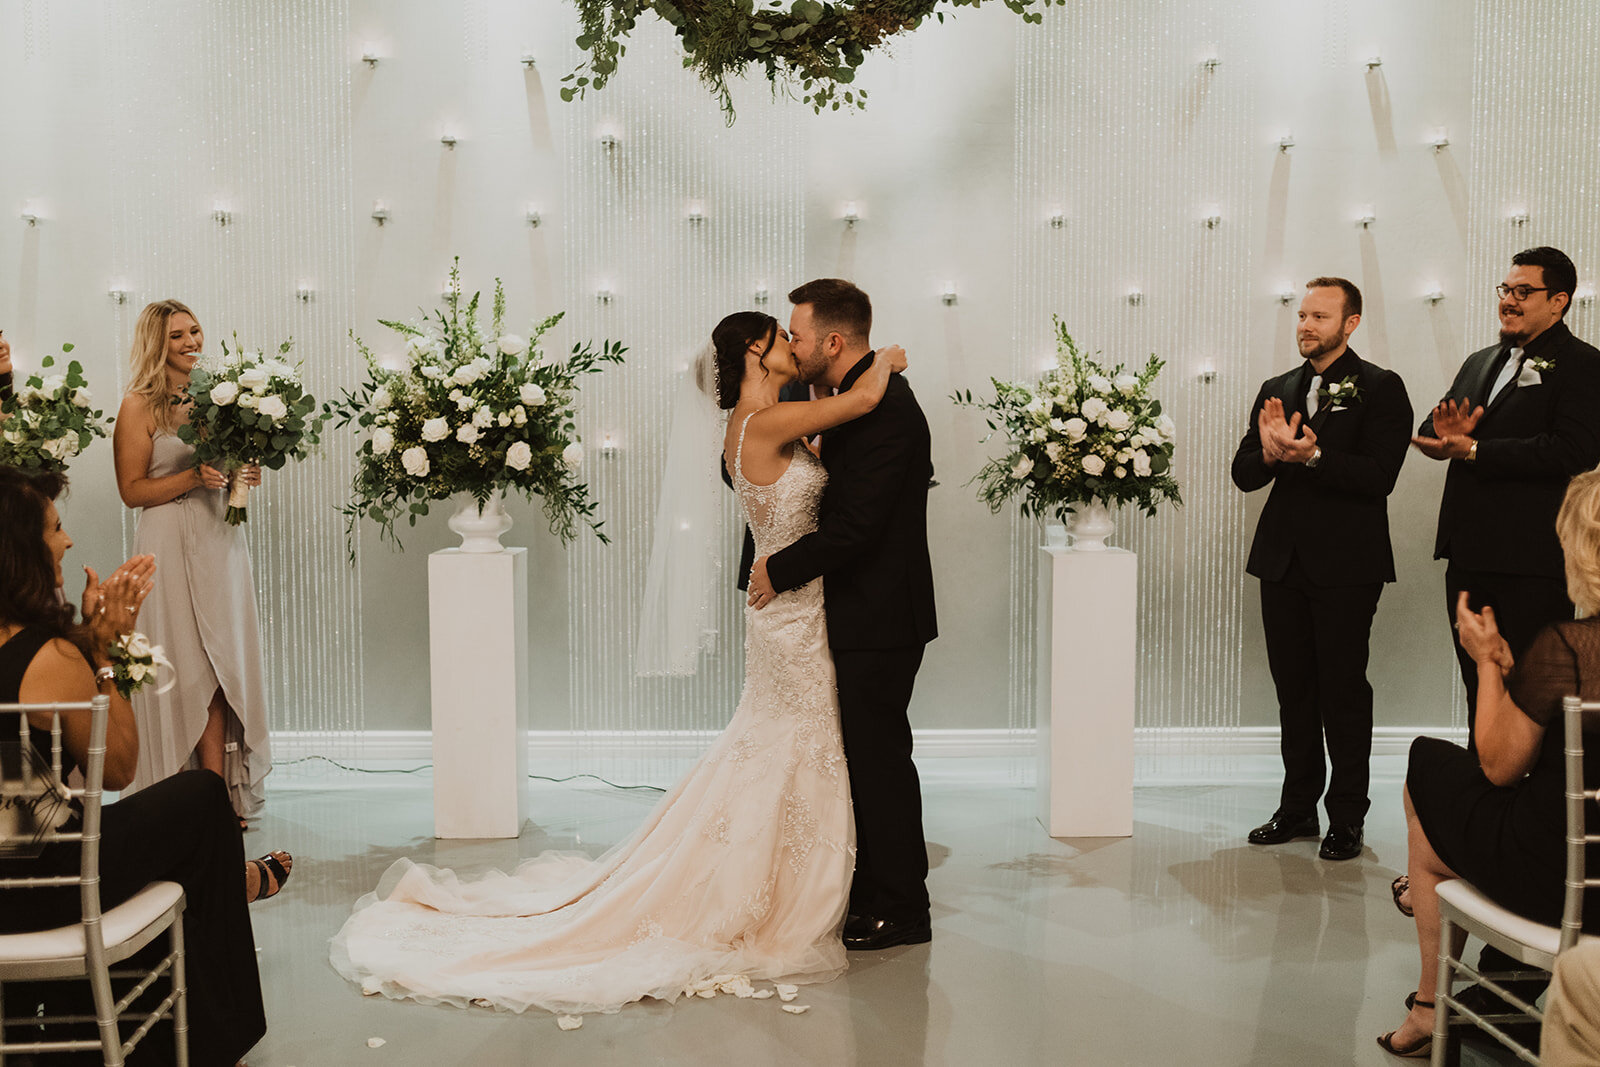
(1283, 827)
(1342, 843)
(863, 933)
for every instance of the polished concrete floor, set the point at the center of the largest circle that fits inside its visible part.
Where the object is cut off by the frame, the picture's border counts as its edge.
(1180, 945)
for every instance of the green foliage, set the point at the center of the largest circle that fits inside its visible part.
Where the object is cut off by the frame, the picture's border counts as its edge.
(49, 419)
(805, 46)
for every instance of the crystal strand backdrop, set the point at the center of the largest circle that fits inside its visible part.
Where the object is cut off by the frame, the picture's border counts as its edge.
(244, 111)
(1146, 257)
(670, 280)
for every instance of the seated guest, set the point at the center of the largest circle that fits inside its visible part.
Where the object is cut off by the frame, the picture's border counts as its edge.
(1571, 1032)
(1498, 818)
(180, 830)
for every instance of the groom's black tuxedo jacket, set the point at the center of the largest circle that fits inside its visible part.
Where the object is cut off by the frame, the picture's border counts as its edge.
(871, 540)
(1333, 517)
(1499, 510)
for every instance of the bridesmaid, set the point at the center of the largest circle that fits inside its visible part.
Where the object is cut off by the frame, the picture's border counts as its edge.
(203, 612)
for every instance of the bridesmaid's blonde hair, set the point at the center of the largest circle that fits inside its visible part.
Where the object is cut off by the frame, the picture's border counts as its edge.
(1578, 527)
(149, 360)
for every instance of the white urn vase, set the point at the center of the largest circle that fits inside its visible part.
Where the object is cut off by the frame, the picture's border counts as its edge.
(480, 528)
(1091, 525)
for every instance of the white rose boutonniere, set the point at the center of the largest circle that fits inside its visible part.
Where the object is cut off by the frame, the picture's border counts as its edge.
(1339, 395)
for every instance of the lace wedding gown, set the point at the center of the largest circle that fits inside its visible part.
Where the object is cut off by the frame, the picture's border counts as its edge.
(743, 868)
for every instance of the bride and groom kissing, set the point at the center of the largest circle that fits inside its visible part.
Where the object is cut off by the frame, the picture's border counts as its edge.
(750, 862)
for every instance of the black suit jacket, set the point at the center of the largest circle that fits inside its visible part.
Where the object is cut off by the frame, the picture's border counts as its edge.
(1499, 510)
(1335, 516)
(871, 540)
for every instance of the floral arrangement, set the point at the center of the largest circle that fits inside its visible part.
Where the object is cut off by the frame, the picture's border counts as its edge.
(248, 408)
(810, 44)
(134, 662)
(1083, 432)
(472, 412)
(49, 419)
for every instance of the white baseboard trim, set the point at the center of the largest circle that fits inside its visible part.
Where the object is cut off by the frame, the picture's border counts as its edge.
(416, 746)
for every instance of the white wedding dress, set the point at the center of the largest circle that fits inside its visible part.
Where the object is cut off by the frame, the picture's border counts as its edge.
(743, 868)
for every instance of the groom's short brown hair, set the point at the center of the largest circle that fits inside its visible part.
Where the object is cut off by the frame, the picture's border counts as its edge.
(837, 306)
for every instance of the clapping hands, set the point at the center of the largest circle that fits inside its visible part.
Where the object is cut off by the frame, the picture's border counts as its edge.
(1284, 440)
(112, 608)
(1453, 425)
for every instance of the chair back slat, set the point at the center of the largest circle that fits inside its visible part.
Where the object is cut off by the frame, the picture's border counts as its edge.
(1575, 714)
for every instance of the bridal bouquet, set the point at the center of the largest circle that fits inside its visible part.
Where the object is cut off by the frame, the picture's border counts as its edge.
(1082, 433)
(248, 408)
(475, 411)
(49, 419)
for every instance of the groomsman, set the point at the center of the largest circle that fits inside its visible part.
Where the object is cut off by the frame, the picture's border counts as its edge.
(1521, 418)
(1329, 436)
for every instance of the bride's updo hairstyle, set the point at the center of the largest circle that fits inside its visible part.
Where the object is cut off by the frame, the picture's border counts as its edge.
(732, 337)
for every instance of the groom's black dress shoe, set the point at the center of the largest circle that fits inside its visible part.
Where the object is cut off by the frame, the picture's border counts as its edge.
(1284, 827)
(1342, 843)
(863, 933)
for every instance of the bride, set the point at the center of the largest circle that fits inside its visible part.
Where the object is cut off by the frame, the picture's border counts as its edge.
(744, 867)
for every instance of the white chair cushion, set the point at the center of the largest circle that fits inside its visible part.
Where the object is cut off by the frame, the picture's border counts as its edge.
(1474, 906)
(121, 923)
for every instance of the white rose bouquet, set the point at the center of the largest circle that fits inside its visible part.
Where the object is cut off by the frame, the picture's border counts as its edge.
(474, 411)
(134, 662)
(49, 419)
(1082, 432)
(248, 408)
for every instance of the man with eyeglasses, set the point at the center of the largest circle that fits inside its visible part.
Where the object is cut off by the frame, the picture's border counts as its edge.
(1521, 418)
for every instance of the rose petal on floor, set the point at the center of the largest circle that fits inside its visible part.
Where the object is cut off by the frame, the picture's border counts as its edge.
(569, 1022)
(796, 1009)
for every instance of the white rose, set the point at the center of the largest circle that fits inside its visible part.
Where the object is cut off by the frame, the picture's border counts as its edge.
(503, 420)
(456, 395)
(1076, 429)
(381, 397)
(415, 461)
(1058, 426)
(519, 455)
(1118, 420)
(81, 397)
(1093, 466)
(431, 372)
(465, 403)
(519, 416)
(435, 430)
(54, 383)
(382, 441)
(273, 407)
(14, 436)
(138, 645)
(62, 447)
(531, 394)
(1095, 409)
(249, 401)
(224, 393)
(1127, 384)
(483, 418)
(254, 379)
(139, 671)
(1038, 434)
(1023, 468)
(1054, 450)
(1141, 464)
(468, 434)
(1124, 455)
(572, 455)
(511, 344)
(1099, 383)
(1122, 472)
(465, 374)
(1165, 427)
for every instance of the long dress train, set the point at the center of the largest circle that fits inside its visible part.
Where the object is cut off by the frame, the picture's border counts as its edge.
(743, 868)
(202, 611)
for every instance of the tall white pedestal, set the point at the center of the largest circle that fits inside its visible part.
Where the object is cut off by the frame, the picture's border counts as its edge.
(1088, 605)
(478, 645)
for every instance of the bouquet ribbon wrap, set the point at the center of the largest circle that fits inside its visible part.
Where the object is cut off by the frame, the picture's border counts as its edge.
(238, 500)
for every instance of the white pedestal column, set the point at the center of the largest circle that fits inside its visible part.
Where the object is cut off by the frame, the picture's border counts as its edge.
(1088, 605)
(478, 644)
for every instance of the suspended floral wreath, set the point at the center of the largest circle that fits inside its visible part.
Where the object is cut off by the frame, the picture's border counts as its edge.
(805, 45)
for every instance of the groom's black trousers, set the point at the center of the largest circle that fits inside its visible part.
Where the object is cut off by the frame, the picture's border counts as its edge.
(891, 857)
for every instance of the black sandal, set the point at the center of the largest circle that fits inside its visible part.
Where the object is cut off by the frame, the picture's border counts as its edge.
(1399, 888)
(1417, 1049)
(265, 866)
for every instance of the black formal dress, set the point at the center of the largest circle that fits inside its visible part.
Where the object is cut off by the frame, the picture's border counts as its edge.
(181, 829)
(1497, 516)
(1510, 841)
(871, 550)
(1322, 553)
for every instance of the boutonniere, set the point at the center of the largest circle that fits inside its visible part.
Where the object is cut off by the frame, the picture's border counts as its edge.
(1541, 364)
(1336, 396)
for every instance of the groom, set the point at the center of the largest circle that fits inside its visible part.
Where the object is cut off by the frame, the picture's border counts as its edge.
(871, 545)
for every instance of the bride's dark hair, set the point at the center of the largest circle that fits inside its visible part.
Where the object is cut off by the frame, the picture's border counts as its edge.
(731, 338)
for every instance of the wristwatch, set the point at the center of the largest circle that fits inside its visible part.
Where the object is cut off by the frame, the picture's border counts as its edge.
(1472, 451)
(1316, 457)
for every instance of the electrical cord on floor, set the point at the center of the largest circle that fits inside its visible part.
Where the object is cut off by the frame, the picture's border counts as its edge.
(429, 766)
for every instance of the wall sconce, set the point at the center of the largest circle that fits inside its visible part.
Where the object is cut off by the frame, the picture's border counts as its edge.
(1211, 63)
(1439, 141)
(30, 218)
(394, 363)
(527, 61)
(370, 57)
(448, 140)
(1285, 297)
(1434, 296)
(305, 293)
(1585, 294)
(1208, 372)
(1286, 142)
(118, 296)
(1058, 219)
(1373, 63)
(608, 140)
(1135, 298)
(222, 215)
(609, 445)
(380, 213)
(949, 294)
(696, 212)
(603, 295)
(851, 216)
(1518, 218)
(1366, 219)
(533, 218)
(760, 295)
(1212, 221)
